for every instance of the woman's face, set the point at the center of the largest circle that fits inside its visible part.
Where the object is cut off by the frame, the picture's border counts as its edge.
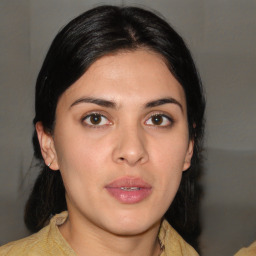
(121, 142)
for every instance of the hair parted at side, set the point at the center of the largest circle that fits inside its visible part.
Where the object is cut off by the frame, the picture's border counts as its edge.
(95, 33)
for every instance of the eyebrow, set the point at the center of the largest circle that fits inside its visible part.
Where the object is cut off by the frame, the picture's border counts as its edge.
(159, 102)
(111, 104)
(97, 101)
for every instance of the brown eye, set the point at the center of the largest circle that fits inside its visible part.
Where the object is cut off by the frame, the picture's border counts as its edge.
(159, 120)
(96, 119)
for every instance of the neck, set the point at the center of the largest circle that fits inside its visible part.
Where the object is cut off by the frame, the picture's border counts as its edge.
(88, 239)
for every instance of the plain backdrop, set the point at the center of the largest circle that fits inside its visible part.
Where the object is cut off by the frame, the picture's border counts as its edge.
(222, 37)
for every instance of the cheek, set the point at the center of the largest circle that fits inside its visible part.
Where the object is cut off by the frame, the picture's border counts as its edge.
(81, 157)
(170, 152)
(79, 167)
(168, 158)
(76, 146)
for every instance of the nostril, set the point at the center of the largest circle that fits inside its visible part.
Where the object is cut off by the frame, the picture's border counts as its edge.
(121, 158)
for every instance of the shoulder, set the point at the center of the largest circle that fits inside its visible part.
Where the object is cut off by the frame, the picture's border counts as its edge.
(31, 245)
(173, 243)
(48, 241)
(249, 251)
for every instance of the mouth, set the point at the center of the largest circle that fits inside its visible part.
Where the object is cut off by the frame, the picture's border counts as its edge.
(129, 190)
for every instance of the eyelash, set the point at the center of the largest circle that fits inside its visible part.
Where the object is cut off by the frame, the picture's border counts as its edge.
(107, 122)
(96, 114)
(165, 119)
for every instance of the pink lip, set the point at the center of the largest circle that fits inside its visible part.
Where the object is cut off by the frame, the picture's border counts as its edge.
(129, 190)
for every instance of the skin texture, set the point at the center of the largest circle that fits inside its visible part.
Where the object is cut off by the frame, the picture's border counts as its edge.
(127, 142)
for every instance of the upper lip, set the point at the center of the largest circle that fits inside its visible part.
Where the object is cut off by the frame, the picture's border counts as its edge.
(128, 182)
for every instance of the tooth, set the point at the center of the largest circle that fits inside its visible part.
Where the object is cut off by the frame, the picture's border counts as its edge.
(130, 188)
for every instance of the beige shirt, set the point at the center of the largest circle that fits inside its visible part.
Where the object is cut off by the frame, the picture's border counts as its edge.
(249, 251)
(49, 242)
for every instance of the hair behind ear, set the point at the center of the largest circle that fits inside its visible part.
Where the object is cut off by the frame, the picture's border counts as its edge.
(47, 198)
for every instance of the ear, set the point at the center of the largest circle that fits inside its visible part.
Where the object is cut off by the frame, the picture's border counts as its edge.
(189, 154)
(47, 147)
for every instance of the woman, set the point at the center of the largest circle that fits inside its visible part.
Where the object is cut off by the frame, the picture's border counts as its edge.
(118, 128)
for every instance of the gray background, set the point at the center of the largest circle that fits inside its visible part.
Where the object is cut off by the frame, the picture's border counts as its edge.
(222, 37)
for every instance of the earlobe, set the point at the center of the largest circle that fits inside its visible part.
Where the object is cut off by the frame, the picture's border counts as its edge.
(189, 155)
(47, 147)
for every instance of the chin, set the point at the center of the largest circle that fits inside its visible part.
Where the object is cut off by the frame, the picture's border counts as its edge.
(130, 225)
(128, 230)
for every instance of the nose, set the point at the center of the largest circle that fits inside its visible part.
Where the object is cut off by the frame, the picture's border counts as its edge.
(130, 147)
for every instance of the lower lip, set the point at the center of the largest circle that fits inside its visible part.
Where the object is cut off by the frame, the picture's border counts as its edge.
(129, 197)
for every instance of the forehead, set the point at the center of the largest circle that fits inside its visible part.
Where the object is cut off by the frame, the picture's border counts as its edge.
(132, 76)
